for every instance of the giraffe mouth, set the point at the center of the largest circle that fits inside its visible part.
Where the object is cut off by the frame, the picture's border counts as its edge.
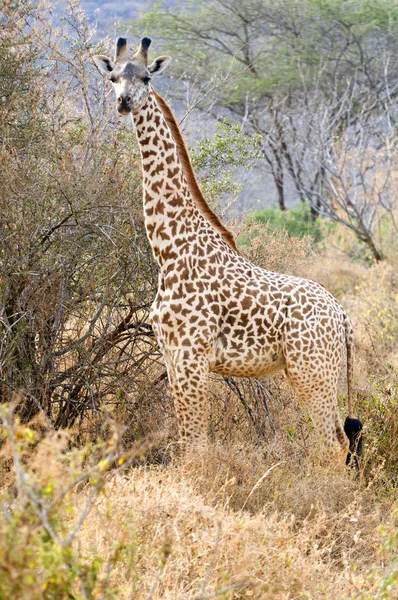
(124, 110)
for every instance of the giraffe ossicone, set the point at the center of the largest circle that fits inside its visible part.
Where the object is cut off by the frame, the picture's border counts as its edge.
(215, 311)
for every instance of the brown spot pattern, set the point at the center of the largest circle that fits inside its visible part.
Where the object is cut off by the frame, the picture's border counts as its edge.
(215, 311)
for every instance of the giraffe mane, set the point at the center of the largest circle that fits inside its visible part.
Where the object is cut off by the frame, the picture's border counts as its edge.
(193, 185)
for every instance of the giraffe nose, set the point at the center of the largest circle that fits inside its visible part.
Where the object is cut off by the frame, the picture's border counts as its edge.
(124, 104)
(124, 99)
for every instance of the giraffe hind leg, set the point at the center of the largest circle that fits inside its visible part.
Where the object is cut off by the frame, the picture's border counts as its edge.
(321, 404)
(340, 430)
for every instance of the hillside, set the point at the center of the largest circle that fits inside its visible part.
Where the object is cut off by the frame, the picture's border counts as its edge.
(111, 16)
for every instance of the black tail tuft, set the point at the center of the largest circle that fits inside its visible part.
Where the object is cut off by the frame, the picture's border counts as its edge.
(353, 428)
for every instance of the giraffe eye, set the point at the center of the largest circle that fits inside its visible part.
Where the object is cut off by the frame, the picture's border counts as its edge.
(146, 80)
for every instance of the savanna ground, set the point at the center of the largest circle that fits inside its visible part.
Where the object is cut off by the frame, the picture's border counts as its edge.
(251, 517)
(97, 502)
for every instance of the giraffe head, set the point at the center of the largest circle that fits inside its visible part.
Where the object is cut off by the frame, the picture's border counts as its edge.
(130, 75)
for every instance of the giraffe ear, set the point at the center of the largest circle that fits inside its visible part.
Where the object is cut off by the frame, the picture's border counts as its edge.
(104, 63)
(159, 64)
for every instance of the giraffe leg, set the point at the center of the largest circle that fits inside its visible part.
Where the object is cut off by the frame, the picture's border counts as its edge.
(340, 431)
(321, 404)
(188, 376)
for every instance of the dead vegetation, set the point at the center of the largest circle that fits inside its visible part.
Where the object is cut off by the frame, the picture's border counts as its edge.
(227, 522)
(257, 515)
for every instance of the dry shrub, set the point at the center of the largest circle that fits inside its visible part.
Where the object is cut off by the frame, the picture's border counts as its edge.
(369, 294)
(374, 302)
(277, 250)
(337, 272)
(77, 273)
(379, 412)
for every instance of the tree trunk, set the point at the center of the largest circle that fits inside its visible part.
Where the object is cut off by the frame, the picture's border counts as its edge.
(278, 177)
(377, 255)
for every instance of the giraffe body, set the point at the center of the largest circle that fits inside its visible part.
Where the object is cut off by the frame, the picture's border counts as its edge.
(275, 330)
(215, 311)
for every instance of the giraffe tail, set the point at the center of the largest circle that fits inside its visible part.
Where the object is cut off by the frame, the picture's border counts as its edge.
(352, 426)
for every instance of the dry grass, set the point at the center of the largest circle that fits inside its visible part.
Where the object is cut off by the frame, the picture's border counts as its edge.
(306, 531)
(234, 521)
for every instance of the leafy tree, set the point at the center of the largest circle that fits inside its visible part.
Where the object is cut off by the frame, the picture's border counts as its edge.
(308, 77)
(296, 222)
(217, 158)
(276, 46)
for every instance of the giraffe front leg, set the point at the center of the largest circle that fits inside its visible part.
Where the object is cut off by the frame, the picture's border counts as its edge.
(188, 376)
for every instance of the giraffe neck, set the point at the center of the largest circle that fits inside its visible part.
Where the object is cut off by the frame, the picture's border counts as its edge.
(171, 216)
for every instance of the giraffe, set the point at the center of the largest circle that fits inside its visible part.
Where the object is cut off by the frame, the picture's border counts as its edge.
(215, 311)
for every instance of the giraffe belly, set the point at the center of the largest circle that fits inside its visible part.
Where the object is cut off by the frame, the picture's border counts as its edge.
(254, 362)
